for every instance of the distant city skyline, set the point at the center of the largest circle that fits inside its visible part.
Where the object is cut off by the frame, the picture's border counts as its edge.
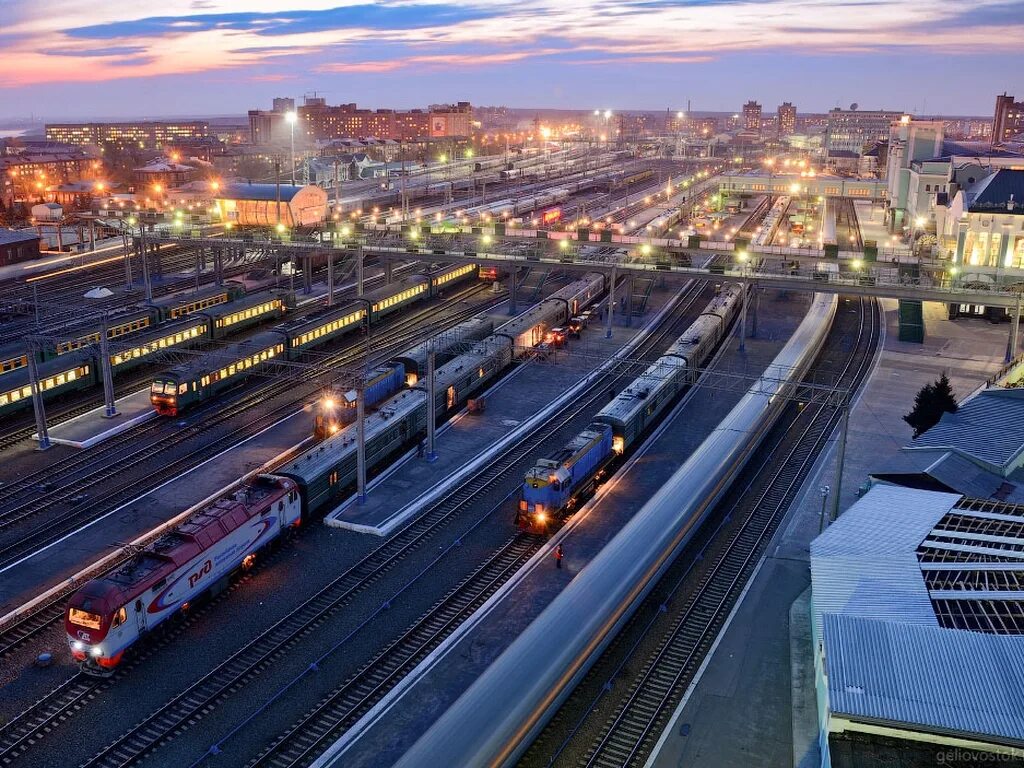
(62, 59)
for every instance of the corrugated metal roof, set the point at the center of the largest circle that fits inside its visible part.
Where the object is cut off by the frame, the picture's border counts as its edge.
(989, 428)
(963, 682)
(866, 564)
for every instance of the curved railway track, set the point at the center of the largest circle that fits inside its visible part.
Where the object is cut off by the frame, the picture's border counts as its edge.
(39, 619)
(370, 683)
(659, 656)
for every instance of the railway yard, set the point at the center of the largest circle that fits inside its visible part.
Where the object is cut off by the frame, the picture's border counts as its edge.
(391, 509)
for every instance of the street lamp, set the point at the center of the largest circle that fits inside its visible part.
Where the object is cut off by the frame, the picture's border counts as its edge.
(292, 117)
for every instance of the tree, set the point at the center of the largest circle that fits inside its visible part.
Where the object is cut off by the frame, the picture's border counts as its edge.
(930, 403)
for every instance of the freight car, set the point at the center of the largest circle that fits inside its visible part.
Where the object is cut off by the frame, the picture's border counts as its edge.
(109, 614)
(555, 483)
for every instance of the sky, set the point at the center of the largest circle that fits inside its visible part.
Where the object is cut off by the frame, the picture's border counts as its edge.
(74, 59)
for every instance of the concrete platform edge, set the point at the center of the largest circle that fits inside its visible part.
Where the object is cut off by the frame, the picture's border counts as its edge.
(101, 564)
(446, 485)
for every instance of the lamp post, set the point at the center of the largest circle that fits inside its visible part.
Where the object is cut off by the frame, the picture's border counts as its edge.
(292, 117)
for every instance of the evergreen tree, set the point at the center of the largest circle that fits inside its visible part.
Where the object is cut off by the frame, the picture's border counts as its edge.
(930, 403)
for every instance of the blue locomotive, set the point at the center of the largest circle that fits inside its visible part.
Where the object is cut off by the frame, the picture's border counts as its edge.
(555, 484)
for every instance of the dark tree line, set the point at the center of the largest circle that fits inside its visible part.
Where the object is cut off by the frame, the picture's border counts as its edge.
(929, 404)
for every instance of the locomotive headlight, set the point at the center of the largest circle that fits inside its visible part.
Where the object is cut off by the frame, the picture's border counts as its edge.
(96, 651)
(542, 518)
(328, 403)
(78, 645)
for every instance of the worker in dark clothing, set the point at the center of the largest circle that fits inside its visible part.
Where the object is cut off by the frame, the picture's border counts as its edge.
(421, 449)
(559, 554)
(611, 394)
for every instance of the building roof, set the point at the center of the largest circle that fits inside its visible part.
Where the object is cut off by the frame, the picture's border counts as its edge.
(988, 429)
(974, 149)
(1002, 192)
(923, 557)
(918, 601)
(164, 166)
(13, 236)
(250, 191)
(964, 683)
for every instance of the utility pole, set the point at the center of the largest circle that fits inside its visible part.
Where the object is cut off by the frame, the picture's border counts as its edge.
(330, 277)
(431, 403)
(359, 269)
(840, 460)
(109, 408)
(37, 396)
(145, 263)
(361, 441)
(611, 306)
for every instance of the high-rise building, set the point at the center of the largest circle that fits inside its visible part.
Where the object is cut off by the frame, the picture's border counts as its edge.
(1008, 121)
(752, 117)
(283, 105)
(851, 130)
(144, 135)
(786, 123)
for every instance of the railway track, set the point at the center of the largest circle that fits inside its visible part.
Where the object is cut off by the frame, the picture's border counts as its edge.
(38, 620)
(662, 652)
(26, 427)
(371, 683)
(99, 467)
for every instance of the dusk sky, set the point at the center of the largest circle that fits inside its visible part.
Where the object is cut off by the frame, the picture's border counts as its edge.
(66, 58)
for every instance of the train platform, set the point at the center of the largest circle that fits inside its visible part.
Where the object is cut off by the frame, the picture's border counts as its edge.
(755, 703)
(528, 395)
(95, 426)
(57, 564)
(381, 737)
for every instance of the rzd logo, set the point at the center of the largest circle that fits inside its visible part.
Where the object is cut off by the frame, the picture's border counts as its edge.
(203, 570)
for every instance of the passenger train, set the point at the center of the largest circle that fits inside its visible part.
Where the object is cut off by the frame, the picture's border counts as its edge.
(70, 362)
(336, 409)
(494, 721)
(556, 483)
(109, 614)
(181, 387)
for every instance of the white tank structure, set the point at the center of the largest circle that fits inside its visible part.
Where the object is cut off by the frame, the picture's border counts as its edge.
(497, 718)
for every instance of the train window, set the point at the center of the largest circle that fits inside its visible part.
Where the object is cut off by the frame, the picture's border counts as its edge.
(159, 585)
(157, 388)
(333, 478)
(82, 618)
(280, 506)
(182, 388)
(120, 617)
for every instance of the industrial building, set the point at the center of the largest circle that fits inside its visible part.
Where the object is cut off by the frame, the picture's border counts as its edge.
(266, 205)
(917, 612)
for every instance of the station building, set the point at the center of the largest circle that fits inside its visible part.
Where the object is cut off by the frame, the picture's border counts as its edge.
(266, 205)
(917, 624)
(981, 225)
